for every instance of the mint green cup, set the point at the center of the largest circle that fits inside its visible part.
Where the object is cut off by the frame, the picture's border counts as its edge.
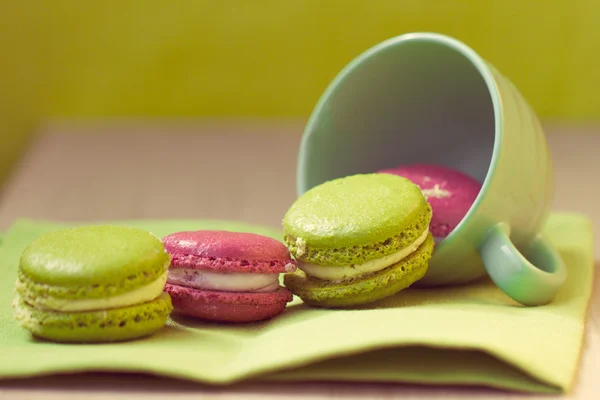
(428, 98)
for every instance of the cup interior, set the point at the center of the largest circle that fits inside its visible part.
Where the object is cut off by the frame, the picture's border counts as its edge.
(405, 101)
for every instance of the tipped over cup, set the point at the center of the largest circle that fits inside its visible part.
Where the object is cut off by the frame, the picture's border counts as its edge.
(426, 98)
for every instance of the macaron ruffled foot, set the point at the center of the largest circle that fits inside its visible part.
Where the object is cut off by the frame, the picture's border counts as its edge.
(227, 276)
(93, 284)
(357, 240)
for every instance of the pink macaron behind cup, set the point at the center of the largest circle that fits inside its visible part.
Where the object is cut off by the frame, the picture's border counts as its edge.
(450, 193)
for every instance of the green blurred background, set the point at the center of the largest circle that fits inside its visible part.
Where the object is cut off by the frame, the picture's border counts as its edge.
(265, 58)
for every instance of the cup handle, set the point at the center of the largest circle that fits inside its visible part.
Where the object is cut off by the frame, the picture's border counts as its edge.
(532, 279)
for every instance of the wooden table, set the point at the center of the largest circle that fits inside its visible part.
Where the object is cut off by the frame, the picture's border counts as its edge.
(191, 169)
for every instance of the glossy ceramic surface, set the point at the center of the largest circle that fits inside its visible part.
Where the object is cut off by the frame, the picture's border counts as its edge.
(428, 98)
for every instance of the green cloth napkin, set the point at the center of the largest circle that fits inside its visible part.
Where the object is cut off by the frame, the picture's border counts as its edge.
(463, 335)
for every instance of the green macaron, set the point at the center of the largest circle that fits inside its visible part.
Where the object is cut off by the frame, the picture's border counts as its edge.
(93, 284)
(358, 239)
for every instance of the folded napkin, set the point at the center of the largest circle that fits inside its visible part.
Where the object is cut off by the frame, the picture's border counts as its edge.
(471, 335)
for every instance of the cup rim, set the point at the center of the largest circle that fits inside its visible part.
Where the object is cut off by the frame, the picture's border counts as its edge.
(477, 61)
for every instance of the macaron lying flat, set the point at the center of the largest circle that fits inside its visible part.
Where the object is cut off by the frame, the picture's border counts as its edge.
(357, 239)
(451, 194)
(227, 276)
(93, 284)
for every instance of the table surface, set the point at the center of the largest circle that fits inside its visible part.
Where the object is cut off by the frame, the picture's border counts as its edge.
(82, 171)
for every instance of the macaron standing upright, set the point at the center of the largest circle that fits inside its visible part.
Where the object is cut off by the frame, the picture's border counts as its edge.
(227, 276)
(357, 239)
(451, 194)
(93, 284)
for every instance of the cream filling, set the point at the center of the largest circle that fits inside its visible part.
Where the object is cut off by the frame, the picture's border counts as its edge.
(225, 282)
(138, 296)
(333, 273)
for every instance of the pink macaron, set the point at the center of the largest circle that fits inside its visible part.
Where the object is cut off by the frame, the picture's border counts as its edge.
(227, 276)
(450, 193)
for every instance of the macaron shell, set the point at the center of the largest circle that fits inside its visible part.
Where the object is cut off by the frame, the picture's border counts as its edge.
(228, 306)
(356, 210)
(360, 254)
(119, 324)
(92, 262)
(223, 251)
(371, 288)
(355, 219)
(450, 193)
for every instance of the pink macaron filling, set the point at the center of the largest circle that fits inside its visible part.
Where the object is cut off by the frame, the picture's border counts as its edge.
(226, 282)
